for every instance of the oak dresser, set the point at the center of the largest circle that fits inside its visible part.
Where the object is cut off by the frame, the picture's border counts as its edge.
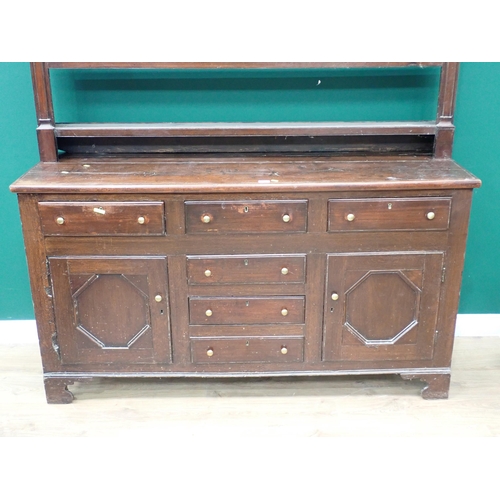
(245, 249)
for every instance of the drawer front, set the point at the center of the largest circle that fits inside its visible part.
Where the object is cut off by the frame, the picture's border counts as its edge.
(386, 214)
(246, 310)
(246, 269)
(102, 218)
(247, 350)
(246, 216)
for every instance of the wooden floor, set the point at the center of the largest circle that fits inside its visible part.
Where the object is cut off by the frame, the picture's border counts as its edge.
(326, 406)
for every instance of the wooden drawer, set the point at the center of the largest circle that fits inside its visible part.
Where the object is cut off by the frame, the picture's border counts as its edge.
(247, 350)
(253, 216)
(102, 218)
(246, 310)
(389, 214)
(209, 270)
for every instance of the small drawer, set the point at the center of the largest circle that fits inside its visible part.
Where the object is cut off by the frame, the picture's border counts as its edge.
(246, 310)
(254, 216)
(210, 270)
(389, 214)
(102, 218)
(247, 350)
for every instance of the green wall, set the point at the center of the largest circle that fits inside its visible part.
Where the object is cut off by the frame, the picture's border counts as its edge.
(251, 95)
(477, 148)
(18, 153)
(477, 145)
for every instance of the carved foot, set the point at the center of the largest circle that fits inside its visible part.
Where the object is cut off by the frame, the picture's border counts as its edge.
(56, 391)
(437, 386)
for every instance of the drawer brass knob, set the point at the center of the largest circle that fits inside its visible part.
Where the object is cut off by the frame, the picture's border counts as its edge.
(210, 352)
(284, 312)
(158, 298)
(208, 312)
(286, 218)
(284, 271)
(60, 220)
(335, 296)
(141, 220)
(431, 215)
(205, 218)
(350, 217)
(208, 273)
(284, 350)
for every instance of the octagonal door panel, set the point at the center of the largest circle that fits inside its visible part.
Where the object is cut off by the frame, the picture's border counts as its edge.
(111, 310)
(381, 306)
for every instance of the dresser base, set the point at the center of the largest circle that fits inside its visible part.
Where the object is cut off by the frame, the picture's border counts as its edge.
(437, 380)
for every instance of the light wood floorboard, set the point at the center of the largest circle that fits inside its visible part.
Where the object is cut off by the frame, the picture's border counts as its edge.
(334, 406)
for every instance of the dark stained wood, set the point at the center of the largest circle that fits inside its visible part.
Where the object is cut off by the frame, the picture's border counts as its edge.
(202, 129)
(447, 91)
(44, 111)
(246, 310)
(234, 65)
(247, 289)
(41, 284)
(336, 145)
(247, 350)
(446, 109)
(84, 218)
(117, 298)
(316, 273)
(247, 216)
(42, 93)
(56, 390)
(381, 306)
(389, 214)
(246, 269)
(437, 385)
(452, 275)
(179, 312)
(313, 242)
(267, 330)
(241, 175)
(106, 309)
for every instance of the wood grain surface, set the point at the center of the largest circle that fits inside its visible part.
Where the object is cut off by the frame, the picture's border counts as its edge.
(239, 174)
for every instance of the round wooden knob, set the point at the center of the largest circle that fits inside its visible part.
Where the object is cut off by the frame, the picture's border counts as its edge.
(335, 296)
(210, 352)
(284, 271)
(60, 220)
(206, 218)
(208, 273)
(284, 312)
(431, 215)
(286, 218)
(284, 350)
(141, 220)
(208, 312)
(350, 217)
(158, 298)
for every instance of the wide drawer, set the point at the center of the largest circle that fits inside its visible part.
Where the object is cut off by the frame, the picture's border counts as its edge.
(102, 218)
(253, 216)
(209, 270)
(246, 310)
(389, 214)
(247, 350)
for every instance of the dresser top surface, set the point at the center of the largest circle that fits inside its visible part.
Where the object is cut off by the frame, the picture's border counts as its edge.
(205, 174)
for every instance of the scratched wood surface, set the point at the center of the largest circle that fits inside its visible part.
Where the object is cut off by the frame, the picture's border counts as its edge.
(239, 174)
(341, 406)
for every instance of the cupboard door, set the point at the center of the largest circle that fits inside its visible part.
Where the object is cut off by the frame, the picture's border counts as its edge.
(381, 306)
(111, 310)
